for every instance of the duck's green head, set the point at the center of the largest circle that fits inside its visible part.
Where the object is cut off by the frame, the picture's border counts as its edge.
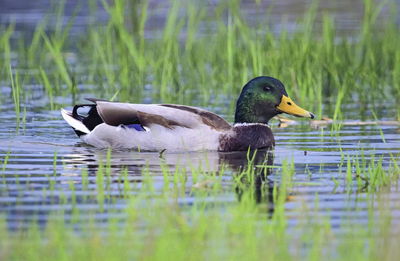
(264, 97)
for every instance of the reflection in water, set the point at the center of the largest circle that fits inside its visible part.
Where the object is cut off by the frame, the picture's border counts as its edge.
(209, 161)
(255, 163)
(259, 165)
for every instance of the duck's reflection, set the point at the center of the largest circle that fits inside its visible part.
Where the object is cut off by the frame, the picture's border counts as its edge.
(254, 171)
(249, 168)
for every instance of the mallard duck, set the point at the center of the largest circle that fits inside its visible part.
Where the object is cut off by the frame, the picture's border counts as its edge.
(158, 127)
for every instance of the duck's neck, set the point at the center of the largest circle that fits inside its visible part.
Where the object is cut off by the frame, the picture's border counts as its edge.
(245, 113)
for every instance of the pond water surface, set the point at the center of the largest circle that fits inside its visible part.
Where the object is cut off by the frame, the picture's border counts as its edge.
(31, 168)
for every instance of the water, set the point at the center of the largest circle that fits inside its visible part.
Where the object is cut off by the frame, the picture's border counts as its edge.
(281, 14)
(34, 185)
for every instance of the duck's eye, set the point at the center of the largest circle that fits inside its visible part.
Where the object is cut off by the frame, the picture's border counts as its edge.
(267, 88)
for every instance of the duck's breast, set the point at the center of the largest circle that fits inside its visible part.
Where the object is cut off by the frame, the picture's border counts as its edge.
(245, 135)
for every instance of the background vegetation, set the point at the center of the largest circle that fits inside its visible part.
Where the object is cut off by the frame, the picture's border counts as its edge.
(204, 55)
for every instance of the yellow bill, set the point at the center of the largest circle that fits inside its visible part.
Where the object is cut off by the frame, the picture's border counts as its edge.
(289, 107)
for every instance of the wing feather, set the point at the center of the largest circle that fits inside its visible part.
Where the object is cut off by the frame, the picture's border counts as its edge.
(167, 115)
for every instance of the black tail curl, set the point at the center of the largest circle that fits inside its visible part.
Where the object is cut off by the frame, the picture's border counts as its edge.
(91, 120)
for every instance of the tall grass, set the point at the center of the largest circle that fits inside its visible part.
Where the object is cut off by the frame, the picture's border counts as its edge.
(204, 54)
